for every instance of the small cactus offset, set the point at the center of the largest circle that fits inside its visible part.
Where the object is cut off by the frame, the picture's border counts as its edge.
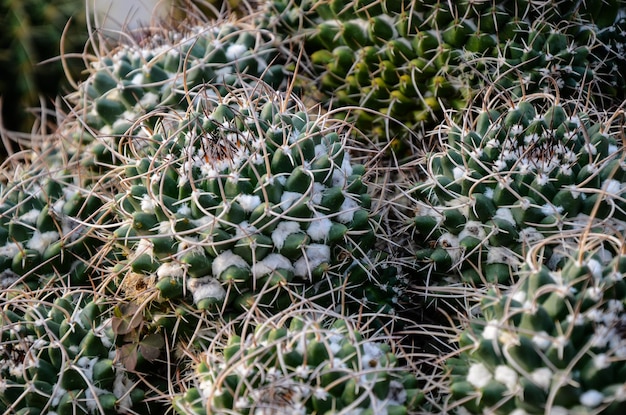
(57, 355)
(307, 363)
(512, 175)
(554, 343)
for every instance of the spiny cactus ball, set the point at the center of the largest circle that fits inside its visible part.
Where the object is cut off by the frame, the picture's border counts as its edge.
(309, 365)
(554, 343)
(412, 60)
(248, 195)
(512, 175)
(46, 236)
(159, 70)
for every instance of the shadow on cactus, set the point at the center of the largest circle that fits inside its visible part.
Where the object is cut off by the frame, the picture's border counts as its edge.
(554, 342)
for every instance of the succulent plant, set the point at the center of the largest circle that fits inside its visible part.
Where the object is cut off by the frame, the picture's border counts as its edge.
(412, 61)
(158, 70)
(32, 34)
(302, 364)
(244, 196)
(511, 175)
(57, 355)
(47, 228)
(553, 343)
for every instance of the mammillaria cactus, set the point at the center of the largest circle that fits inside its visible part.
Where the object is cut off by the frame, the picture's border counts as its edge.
(244, 195)
(411, 61)
(512, 175)
(159, 69)
(45, 232)
(57, 356)
(304, 363)
(554, 343)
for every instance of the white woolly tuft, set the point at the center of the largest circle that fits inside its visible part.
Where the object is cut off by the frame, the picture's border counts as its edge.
(171, 270)
(591, 398)
(205, 287)
(542, 377)
(347, 209)
(317, 193)
(490, 332)
(542, 340)
(30, 216)
(505, 214)
(506, 376)
(148, 204)
(473, 228)
(282, 231)
(478, 375)
(271, 263)
(41, 240)
(289, 198)
(315, 255)
(249, 202)
(319, 228)
(225, 260)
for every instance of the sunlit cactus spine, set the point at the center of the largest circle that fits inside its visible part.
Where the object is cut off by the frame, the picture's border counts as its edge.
(554, 343)
(302, 363)
(511, 175)
(57, 355)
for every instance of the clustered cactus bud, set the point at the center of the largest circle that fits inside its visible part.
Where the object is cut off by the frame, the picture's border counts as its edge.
(512, 176)
(248, 195)
(57, 356)
(310, 364)
(553, 343)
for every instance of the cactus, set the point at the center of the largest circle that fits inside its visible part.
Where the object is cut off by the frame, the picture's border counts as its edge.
(32, 34)
(47, 228)
(158, 71)
(57, 356)
(247, 195)
(511, 176)
(412, 61)
(305, 363)
(553, 343)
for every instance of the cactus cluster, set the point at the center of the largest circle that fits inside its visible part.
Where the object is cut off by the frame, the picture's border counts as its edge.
(511, 175)
(412, 60)
(308, 363)
(196, 237)
(57, 356)
(553, 343)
